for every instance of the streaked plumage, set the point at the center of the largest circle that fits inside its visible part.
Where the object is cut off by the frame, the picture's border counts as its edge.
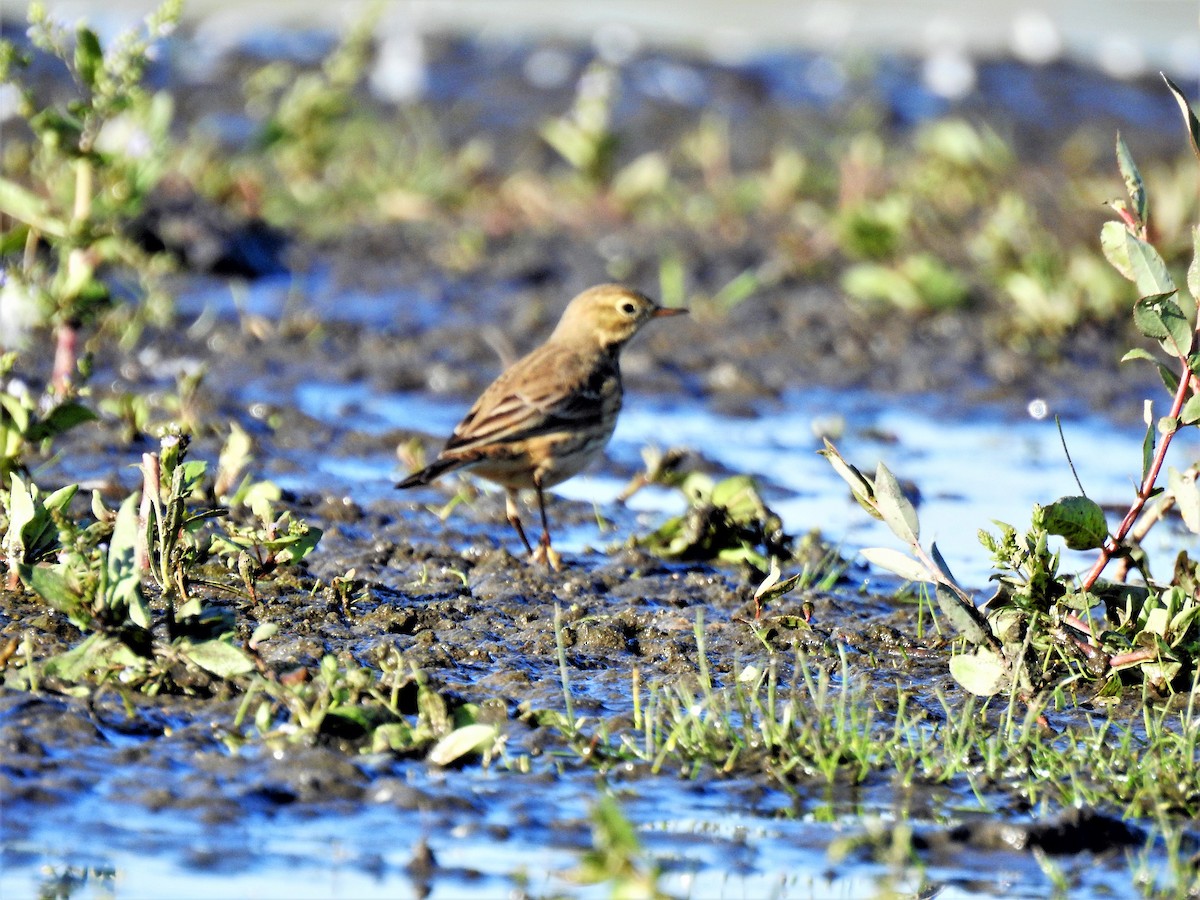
(552, 411)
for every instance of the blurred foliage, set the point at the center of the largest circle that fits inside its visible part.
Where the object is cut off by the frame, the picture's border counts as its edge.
(94, 159)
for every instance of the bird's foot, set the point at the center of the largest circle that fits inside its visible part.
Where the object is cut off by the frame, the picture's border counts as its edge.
(544, 553)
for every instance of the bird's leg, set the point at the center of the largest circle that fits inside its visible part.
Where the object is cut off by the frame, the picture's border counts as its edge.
(514, 518)
(545, 553)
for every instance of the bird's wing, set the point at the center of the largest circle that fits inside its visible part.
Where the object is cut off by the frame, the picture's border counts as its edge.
(523, 403)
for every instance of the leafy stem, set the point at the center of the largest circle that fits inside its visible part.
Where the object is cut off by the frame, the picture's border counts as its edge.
(1113, 545)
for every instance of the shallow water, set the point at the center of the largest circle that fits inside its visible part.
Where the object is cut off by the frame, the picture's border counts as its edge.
(971, 465)
(497, 834)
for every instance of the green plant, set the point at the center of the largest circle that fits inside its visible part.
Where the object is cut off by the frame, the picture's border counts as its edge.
(726, 520)
(393, 710)
(1045, 625)
(584, 136)
(617, 857)
(26, 425)
(92, 572)
(96, 157)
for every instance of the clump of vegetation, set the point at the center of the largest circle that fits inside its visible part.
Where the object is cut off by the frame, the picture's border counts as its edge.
(1044, 626)
(394, 710)
(92, 572)
(94, 160)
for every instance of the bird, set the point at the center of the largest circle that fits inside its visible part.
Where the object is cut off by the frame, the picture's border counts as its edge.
(551, 412)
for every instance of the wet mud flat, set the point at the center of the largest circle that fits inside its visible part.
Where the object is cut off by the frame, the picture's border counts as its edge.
(116, 791)
(173, 779)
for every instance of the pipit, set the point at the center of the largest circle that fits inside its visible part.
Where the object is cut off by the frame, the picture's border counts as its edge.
(552, 411)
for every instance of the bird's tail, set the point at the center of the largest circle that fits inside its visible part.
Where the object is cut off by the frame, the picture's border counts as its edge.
(429, 473)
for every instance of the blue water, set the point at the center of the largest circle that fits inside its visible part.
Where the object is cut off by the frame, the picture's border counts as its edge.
(970, 465)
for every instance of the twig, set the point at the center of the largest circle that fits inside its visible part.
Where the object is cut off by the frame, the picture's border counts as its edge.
(1112, 546)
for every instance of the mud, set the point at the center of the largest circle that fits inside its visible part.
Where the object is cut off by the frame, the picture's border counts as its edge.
(452, 595)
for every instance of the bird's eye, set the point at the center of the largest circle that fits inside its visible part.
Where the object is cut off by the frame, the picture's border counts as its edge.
(628, 308)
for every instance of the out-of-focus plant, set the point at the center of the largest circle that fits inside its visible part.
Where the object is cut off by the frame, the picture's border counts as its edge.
(94, 160)
(1044, 625)
(952, 219)
(24, 425)
(584, 136)
(617, 857)
(325, 156)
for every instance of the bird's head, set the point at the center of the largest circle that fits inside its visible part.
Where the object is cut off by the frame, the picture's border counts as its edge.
(609, 314)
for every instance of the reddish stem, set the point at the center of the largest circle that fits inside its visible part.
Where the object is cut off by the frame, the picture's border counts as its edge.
(1133, 657)
(1113, 545)
(66, 352)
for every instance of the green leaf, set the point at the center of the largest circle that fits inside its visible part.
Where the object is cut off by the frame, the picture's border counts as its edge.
(739, 495)
(982, 673)
(897, 563)
(1187, 496)
(1189, 118)
(79, 662)
(1139, 353)
(1078, 520)
(771, 587)
(1148, 451)
(1190, 414)
(52, 584)
(1158, 316)
(89, 57)
(1112, 242)
(219, 657)
(1133, 179)
(61, 419)
(461, 741)
(124, 593)
(1149, 271)
(27, 207)
(398, 737)
(1169, 379)
(963, 617)
(898, 513)
(18, 412)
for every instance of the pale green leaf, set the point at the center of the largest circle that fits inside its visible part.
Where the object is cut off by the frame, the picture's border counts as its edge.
(1112, 242)
(27, 207)
(476, 738)
(220, 658)
(1182, 486)
(1149, 271)
(860, 486)
(897, 563)
(982, 673)
(1133, 179)
(897, 511)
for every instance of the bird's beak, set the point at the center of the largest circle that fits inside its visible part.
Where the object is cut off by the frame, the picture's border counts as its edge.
(663, 311)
